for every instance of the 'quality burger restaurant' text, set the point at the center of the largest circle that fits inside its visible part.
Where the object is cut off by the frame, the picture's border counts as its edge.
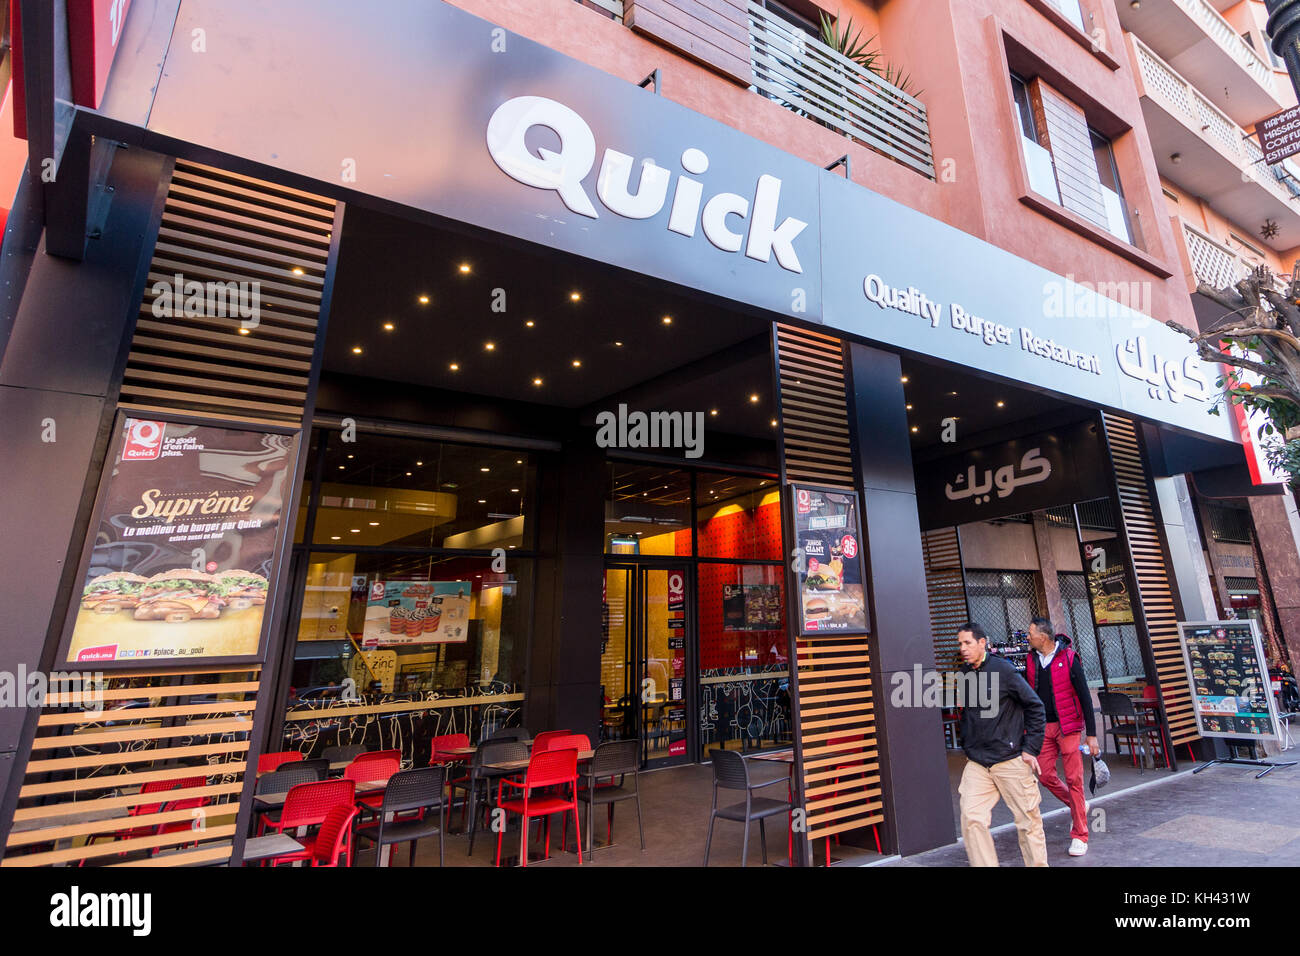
(565, 406)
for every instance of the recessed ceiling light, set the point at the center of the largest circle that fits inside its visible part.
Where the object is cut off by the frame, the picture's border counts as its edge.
(914, 428)
(485, 468)
(423, 300)
(374, 524)
(1002, 404)
(297, 270)
(537, 381)
(618, 344)
(334, 537)
(668, 320)
(464, 267)
(356, 350)
(754, 397)
(244, 331)
(514, 490)
(953, 394)
(774, 423)
(482, 501)
(903, 379)
(519, 461)
(577, 363)
(713, 411)
(340, 467)
(454, 366)
(350, 456)
(530, 323)
(909, 406)
(388, 326)
(419, 464)
(408, 474)
(490, 346)
(575, 296)
(355, 530)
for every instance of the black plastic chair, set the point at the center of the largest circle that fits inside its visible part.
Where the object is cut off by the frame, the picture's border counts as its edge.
(1126, 722)
(731, 772)
(343, 753)
(508, 733)
(319, 766)
(496, 751)
(282, 781)
(616, 758)
(409, 791)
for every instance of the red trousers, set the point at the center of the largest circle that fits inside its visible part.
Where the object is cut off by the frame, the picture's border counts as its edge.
(1065, 746)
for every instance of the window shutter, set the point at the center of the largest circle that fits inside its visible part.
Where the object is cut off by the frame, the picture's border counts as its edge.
(1064, 130)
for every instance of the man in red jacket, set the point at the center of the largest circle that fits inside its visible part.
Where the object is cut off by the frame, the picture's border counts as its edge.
(1055, 673)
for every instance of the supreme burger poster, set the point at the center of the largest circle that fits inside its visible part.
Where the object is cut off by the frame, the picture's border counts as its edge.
(828, 537)
(182, 556)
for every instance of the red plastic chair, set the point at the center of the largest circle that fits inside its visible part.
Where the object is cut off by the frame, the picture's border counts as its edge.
(373, 765)
(268, 762)
(578, 742)
(553, 768)
(542, 742)
(307, 804)
(334, 838)
(180, 826)
(438, 757)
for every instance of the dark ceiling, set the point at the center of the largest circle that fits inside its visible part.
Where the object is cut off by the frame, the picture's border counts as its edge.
(705, 358)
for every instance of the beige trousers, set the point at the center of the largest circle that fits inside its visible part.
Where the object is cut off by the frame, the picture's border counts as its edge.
(980, 788)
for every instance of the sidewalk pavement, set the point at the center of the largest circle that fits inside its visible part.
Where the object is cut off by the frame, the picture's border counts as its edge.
(1221, 817)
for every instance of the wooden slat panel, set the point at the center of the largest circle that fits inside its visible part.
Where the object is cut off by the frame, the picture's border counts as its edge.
(833, 674)
(114, 847)
(1154, 591)
(129, 779)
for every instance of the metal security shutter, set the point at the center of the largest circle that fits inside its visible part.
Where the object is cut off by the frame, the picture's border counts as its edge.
(1155, 596)
(220, 228)
(946, 588)
(839, 763)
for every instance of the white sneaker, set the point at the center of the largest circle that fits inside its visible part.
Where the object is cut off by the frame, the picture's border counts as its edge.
(1078, 847)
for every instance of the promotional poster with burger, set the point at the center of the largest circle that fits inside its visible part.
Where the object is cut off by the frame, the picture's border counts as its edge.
(182, 558)
(829, 540)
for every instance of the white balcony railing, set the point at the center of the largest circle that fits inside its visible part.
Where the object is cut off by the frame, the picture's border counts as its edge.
(1166, 85)
(807, 76)
(1214, 264)
(1213, 23)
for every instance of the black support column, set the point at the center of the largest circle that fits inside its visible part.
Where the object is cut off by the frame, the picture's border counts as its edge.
(913, 758)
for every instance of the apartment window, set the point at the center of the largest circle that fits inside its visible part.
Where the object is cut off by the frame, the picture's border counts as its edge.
(1042, 179)
(792, 17)
(1072, 11)
(1112, 194)
(1069, 161)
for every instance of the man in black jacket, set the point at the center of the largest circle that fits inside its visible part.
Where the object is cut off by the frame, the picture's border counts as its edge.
(1001, 733)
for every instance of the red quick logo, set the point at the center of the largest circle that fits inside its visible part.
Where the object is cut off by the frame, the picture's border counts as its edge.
(721, 217)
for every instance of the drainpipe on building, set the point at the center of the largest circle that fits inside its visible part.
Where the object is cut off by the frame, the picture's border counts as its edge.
(1284, 33)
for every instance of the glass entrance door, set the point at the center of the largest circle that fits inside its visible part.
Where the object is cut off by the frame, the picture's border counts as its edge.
(644, 661)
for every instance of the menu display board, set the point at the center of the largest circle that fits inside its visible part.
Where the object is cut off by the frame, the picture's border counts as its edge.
(828, 540)
(1229, 678)
(752, 607)
(185, 543)
(416, 612)
(1107, 576)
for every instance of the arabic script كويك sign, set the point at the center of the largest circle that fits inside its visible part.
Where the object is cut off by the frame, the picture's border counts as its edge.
(1164, 378)
(1033, 468)
(1044, 470)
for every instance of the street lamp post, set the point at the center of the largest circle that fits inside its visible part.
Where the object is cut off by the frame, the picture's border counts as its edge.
(1284, 32)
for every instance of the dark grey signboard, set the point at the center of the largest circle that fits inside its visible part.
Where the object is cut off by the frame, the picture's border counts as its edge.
(1228, 672)
(449, 115)
(1279, 135)
(1038, 471)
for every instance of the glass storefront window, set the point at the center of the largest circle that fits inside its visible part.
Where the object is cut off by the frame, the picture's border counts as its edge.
(410, 624)
(744, 656)
(380, 491)
(738, 516)
(648, 510)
